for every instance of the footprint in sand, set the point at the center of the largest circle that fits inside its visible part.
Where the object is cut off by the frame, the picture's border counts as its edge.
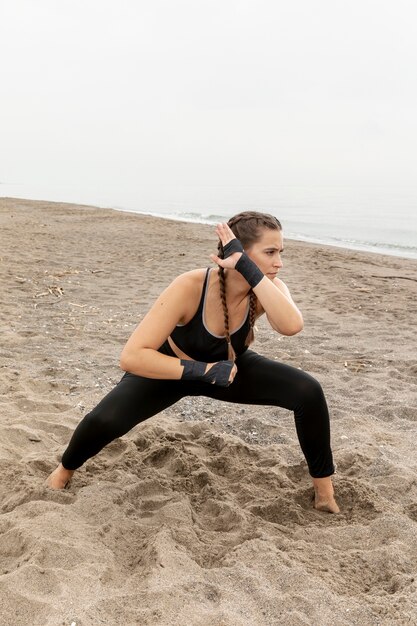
(60, 432)
(358, 502)
(218, 516)
(411, 511)
(14, 549)
(37, 386)
(406, 412)
(284, 510)
(26, 405)
(160, 457)
(149, 507)
(145, 489)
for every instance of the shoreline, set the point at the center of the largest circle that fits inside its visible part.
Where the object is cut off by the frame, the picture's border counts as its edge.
(393, 251)
(309, 240)
(201, 514)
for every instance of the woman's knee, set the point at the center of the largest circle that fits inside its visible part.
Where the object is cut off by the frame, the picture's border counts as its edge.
(101, 422)
(309, 391)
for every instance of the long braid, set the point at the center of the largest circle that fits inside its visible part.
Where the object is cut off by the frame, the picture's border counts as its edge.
(245, 227)
(250, 337)
(222, 283)
(252, 312)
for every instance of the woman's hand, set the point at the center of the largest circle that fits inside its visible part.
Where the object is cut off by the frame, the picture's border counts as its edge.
(232, 374)
(226, 235)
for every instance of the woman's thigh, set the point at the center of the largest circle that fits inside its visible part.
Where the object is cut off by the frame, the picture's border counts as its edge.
(264, 381)
(135, 399)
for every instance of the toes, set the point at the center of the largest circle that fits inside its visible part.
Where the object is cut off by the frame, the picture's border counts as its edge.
(327, 507)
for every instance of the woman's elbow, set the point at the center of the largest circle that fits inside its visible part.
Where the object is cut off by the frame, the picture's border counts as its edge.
(126, 361)
(123, 363)
(295, 327)
(294, 330)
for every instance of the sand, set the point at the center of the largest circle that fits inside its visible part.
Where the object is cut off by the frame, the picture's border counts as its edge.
(202, 515)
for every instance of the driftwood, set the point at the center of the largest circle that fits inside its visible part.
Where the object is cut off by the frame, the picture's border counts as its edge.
(53, 290)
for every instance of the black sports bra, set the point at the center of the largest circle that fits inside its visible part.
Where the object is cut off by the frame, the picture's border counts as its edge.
(195, 340)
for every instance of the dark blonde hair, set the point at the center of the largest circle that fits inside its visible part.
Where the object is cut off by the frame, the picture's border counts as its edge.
(247, 227)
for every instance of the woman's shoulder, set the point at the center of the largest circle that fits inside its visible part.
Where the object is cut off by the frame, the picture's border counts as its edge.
(191, 282)
(188, 288)
(194, 275)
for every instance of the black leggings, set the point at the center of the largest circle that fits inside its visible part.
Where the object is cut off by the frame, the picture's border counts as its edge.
(258, 381)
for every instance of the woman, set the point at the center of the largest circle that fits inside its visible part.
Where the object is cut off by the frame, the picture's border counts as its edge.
(194, 341)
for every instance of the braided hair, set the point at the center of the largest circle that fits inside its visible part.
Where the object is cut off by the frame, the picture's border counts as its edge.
(246, 227)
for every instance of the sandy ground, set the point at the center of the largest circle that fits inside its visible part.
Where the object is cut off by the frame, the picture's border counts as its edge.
(201, 516)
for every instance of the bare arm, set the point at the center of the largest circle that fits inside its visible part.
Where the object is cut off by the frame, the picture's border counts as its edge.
(281, 311)
(140, 355)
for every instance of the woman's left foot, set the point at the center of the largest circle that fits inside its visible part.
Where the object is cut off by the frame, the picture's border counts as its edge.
(324, 495)
(328, 505)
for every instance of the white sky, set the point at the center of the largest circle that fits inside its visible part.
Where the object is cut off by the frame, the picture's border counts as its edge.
(208, 92)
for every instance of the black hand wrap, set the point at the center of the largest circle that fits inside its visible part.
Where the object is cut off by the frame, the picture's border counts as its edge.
(249, 270)
(217, 375)
(233, 246)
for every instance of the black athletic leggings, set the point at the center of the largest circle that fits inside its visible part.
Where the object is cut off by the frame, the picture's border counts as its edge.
(258, 381)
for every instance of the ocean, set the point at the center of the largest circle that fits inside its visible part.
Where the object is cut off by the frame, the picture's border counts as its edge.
(379, 219)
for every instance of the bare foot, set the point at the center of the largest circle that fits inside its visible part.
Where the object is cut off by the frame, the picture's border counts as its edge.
(328, 506)
(59, 478)
(324, 495)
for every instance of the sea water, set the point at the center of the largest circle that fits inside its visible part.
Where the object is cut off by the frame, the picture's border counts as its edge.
(376, 219)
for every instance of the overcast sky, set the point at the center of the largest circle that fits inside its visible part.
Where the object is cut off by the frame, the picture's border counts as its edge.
(208, 92)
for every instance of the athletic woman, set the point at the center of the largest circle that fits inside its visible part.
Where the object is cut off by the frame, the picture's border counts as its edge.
(194, 341)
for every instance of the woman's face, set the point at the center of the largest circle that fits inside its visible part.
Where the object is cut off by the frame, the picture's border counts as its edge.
(266, 252)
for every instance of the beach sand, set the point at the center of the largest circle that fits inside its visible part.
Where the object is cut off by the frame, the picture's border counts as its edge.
(202, 515)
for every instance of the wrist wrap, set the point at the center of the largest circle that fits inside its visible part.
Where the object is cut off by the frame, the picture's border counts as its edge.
(217, 375)
(249, 270)
(233, 246)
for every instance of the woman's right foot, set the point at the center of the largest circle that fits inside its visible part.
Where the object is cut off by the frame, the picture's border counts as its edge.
(59, 478)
